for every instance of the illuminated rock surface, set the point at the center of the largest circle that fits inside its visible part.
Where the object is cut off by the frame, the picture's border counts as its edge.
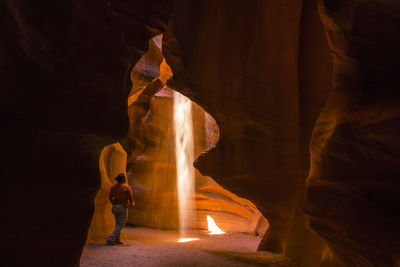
(151, 148)
(153, 175)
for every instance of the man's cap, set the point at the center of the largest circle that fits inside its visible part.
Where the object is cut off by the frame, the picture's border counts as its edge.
(120, 178)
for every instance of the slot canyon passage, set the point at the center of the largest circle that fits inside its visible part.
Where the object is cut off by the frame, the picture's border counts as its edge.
(306, 107)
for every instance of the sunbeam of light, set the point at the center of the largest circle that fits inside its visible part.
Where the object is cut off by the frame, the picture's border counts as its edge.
(184, 153)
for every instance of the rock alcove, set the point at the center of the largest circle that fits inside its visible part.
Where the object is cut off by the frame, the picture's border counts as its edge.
(149, 152)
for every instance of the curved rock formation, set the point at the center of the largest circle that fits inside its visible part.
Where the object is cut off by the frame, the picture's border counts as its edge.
(353, 191)
(150, 146)
(148, 77)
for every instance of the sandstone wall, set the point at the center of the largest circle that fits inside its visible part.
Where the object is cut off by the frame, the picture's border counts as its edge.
(64, 82)
(153, 174)
(353, 192)
(315, 84)
(218, 55)
(240, 61)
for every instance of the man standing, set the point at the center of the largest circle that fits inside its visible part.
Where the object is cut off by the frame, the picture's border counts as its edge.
(121, 198)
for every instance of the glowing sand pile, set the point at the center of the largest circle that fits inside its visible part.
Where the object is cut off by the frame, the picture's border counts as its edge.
(212, 227)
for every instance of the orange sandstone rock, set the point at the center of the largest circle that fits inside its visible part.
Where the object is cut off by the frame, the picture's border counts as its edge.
(154, 176)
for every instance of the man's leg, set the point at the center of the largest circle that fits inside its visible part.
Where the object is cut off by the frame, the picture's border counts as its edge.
(121, 215)
(117, 239)
(110, 241)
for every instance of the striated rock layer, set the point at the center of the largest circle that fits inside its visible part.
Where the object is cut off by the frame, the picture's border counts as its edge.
(353, 190)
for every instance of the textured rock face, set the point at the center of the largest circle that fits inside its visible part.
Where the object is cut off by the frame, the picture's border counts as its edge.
(63, 77)
(315, 83)
(221, 64)
(154, 177)
(151, 148)
(244, 70)
(154, 174)
(353, 191)
(148, 77)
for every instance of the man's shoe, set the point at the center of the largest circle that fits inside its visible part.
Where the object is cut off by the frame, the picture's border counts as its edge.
(110, 243)
(118, 242)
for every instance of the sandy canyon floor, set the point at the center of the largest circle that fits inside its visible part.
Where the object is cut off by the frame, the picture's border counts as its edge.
(150, 247)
